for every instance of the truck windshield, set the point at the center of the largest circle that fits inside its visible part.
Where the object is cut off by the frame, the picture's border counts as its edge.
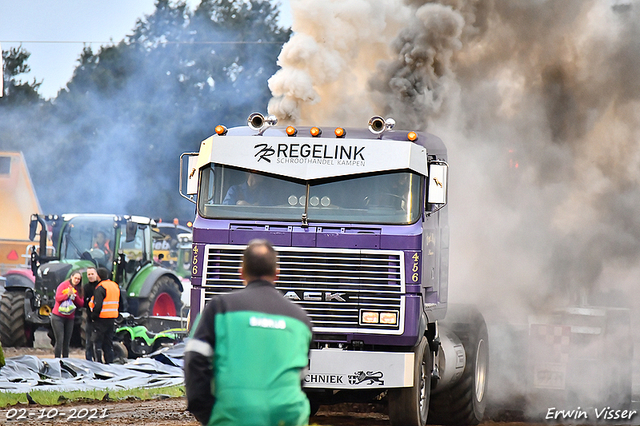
(386, 198)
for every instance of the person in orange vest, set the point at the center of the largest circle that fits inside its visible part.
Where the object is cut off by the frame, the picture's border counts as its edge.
(105, 308)
(103, 244)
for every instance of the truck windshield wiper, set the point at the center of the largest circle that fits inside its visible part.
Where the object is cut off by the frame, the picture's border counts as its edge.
(305, 222)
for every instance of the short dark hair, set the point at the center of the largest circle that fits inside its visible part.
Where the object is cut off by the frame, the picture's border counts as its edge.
(259, 259)
(103, 273)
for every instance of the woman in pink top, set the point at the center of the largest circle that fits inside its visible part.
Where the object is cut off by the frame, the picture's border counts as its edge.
(62, 320)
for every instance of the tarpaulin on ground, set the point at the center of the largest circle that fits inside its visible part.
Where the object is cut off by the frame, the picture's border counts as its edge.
(28, 372)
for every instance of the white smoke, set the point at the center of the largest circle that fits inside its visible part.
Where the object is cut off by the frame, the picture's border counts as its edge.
(329, 59)
(539, 104)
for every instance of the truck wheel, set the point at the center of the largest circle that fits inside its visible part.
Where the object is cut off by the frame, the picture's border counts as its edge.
(12, 325)
(163, 300)
(464, 403)
(410, 406)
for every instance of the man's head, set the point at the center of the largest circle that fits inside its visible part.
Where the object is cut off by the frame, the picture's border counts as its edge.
(92, 274)
(254, 179)
(103, 273)
(259, 261)
(100, 238)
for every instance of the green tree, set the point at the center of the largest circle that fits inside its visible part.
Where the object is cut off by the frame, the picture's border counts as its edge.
(17, 92)
(22, 109)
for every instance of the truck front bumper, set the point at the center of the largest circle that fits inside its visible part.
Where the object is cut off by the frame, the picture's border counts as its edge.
(340, 369)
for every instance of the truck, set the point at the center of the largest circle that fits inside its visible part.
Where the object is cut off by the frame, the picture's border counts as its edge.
(122, 244)
(359, 219)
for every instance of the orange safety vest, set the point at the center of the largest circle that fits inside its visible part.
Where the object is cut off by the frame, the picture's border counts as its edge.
(111, 301)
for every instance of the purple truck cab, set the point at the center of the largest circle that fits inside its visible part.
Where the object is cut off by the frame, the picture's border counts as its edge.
(359, 220)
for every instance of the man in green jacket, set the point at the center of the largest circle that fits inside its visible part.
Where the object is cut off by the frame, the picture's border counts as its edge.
(248, 351)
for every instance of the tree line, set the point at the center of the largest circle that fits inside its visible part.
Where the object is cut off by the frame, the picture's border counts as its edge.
(110, 141)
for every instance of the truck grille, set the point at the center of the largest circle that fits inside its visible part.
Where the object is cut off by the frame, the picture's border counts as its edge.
(332, 285)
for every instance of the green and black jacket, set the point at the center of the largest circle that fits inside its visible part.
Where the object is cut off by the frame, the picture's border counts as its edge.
(244, 361)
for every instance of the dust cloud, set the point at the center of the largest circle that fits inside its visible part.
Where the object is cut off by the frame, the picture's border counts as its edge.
(539, 104)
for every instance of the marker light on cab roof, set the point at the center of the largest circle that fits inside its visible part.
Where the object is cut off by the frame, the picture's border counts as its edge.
(412, 136)
(221, 130)
(315, 132)
(291, 131)
(340, 132)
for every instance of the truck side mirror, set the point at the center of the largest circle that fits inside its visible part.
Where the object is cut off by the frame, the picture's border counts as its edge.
(438, 174)
(189, 175)
(33, 227)
(131, 230)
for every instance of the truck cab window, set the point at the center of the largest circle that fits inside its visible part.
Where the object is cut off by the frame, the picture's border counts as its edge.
(233, 193)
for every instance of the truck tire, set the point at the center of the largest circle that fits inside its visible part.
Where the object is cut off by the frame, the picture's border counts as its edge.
(12, 324)
(410, 406)
(163, 299)
(464, 403)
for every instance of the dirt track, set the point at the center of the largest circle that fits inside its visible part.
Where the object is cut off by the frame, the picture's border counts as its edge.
(159, 412)
(168, 412)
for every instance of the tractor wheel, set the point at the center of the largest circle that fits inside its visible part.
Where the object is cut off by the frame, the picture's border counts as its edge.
(410, 406)
(120, 352)
(163, 300)
(13, 331)
(464, 403)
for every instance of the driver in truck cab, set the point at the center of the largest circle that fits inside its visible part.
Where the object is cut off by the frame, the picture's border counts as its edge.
(251, 192)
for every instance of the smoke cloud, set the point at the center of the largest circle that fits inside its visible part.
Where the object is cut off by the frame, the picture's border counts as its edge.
(539, 104)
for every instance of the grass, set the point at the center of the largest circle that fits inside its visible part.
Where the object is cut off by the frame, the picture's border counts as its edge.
(57, 398)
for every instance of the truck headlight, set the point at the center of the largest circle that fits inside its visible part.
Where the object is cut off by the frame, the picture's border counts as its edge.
(370, 317)
(389, 318)
(379, 317)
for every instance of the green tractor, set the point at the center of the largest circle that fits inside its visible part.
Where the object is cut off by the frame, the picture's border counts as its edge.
(122, 244)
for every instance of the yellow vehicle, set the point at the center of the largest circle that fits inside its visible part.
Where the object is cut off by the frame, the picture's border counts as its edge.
(19, 201)
(166, 243)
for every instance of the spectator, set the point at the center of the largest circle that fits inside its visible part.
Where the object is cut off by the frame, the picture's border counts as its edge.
(69, 296)
(92, 281)
(104, 306)
(261, 344)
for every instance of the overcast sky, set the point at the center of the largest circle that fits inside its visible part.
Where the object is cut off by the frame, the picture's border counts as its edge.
(54, 31)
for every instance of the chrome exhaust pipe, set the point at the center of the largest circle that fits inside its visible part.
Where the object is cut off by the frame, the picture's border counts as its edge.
(378, 125)
(260, 123)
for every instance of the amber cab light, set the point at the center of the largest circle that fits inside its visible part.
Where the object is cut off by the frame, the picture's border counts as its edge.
(340, 132)
(221, 130)
(412, 136)
(291, 131)
(315, 132)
